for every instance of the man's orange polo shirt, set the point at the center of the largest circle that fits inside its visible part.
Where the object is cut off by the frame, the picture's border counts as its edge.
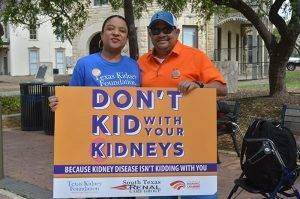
(183, 63)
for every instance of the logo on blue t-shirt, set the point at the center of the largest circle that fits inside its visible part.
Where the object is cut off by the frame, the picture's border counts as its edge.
(93, 70)
(114, 78)
(96, 72)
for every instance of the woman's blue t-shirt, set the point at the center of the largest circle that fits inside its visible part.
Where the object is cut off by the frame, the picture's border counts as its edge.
(93, 70)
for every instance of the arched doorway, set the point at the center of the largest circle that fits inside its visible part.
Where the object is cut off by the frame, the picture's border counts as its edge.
(94, 44)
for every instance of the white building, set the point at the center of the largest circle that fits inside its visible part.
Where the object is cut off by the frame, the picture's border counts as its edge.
(28, 48)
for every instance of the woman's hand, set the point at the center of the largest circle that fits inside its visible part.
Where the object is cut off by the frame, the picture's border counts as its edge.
(53, 102)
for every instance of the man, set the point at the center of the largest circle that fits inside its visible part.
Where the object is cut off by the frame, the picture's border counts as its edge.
(172, 64)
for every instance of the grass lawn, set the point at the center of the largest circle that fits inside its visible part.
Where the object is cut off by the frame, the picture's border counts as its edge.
(292, 82)
(293, 79)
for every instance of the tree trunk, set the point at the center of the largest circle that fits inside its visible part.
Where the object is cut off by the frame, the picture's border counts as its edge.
(277, 73)
(1, 30)
(279, 56)
(133, 44)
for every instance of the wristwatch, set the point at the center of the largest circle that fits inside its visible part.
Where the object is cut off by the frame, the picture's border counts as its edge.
(200, 84)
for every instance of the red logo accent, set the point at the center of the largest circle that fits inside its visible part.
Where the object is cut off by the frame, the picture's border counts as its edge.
(178, 184)
(122, 187)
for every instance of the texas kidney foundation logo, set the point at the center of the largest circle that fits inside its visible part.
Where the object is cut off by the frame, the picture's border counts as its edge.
(84, 186)
(139, 186)
(96, 72)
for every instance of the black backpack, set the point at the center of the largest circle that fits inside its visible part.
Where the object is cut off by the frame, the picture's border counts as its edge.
(262, 167)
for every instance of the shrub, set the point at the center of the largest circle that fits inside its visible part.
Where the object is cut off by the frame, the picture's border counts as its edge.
(10, 105)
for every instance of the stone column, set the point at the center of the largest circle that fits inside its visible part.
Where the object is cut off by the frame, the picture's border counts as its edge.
(229, 70)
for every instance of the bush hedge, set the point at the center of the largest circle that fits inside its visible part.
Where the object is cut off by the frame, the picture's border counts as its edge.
(10, 105)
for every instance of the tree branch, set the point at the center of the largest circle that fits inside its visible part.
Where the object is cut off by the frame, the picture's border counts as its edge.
(293, 27)
(64, 12)
(1, 30)
(276, 19)
(294, 23)
(250, 14)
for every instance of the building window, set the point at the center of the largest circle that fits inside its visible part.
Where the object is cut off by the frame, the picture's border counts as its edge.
(229, 46)
(237, 47)
(100, 2)
(190, 36)
(32, 32)
(219, 43)
(250, 48)
(60, 64)
(5, 31)
(33, 61)
(5, 64)
(258, 49)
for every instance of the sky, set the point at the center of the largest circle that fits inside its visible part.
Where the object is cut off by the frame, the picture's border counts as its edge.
(284, 11)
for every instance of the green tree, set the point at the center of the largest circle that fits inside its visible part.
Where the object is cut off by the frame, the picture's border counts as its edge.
(255, 11)
(129, 16)
(134, 8)
(67, 16)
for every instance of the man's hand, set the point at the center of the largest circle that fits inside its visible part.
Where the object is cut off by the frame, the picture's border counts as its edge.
(221, 88)
(53, 102)
(185, 87)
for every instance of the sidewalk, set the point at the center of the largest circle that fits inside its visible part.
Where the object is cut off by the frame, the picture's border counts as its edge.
(28, 159)
(11, 85)
(4, 194)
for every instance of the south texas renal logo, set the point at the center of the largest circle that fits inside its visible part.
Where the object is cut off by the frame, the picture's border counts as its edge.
(178, 185)
(122, 187)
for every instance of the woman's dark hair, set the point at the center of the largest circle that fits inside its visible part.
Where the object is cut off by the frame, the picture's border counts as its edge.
(105, 22)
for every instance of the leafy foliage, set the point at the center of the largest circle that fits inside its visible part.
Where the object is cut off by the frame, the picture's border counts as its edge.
(138, 6)
(10, 105)
(67, 16)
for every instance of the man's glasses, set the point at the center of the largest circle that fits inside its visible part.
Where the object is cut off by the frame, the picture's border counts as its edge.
(165, 30)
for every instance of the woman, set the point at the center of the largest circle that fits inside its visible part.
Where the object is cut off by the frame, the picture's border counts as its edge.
(108, 68)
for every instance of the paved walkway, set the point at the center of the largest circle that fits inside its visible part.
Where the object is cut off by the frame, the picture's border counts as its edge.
(11, 85)
(4, 194)
(28, 159)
